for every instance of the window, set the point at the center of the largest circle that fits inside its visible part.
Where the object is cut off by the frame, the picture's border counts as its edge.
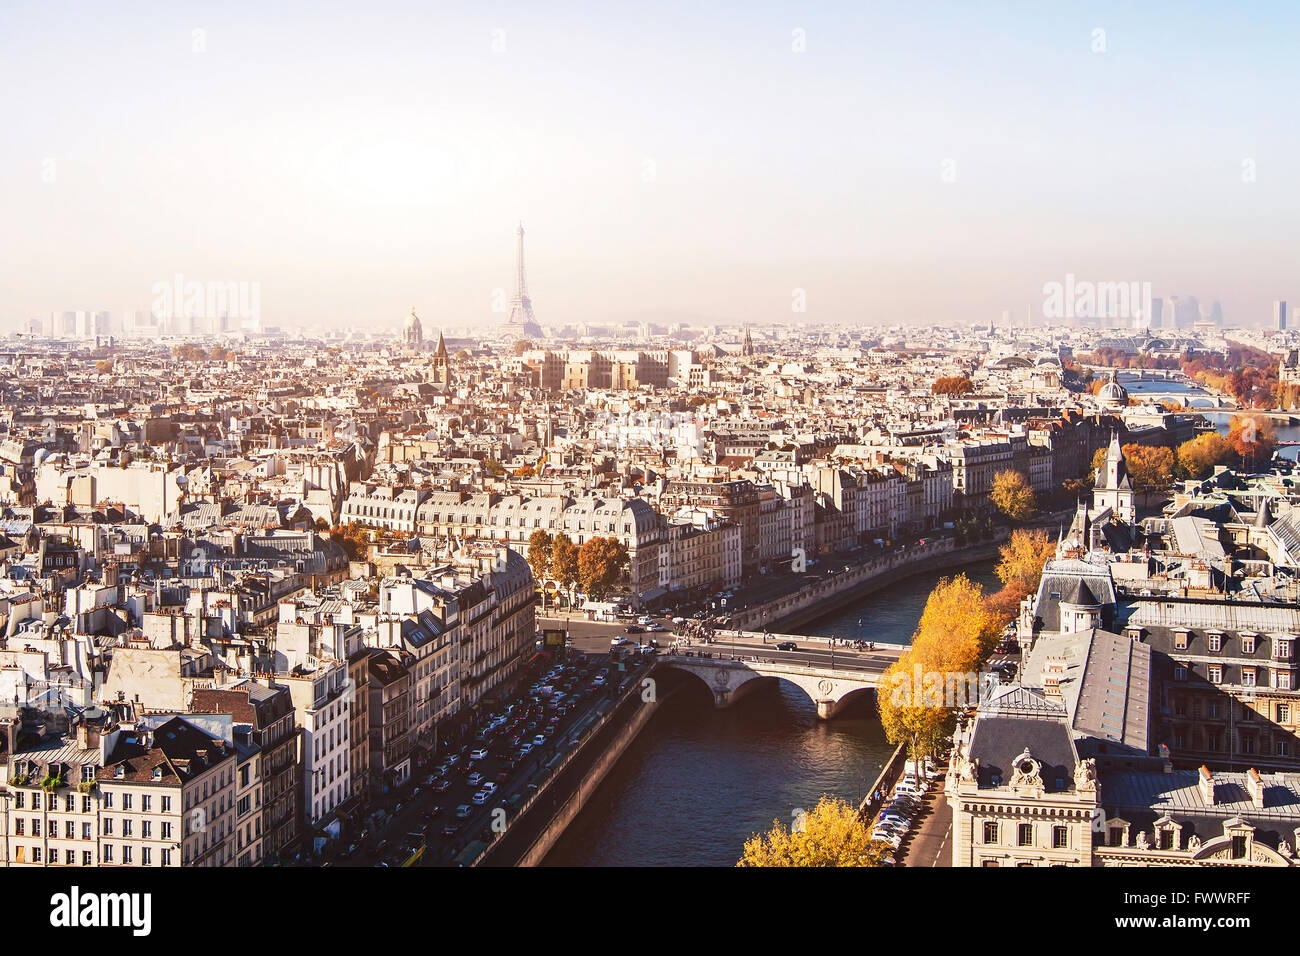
(18, 799)
(990, 832)
(108, 826)
(1216, 642)
(85, 804)
(36, 854)
(1025, 834)
(69, 830)
(108, 853)
(166, 831)
(126, 801)
(69, 804)
(1060, 837)
(146, 828)
(166, 857)
(86, 831)
(1283, 713)
(1248, 643)
(1239, 847)
(36, 826)
(1180, 672)
(87, 858)
(144, 803)
(166, 804)
(146, 857)
(1215, 672)
(18, 827)
(126, 854)
(1180, 640)
(70, 857)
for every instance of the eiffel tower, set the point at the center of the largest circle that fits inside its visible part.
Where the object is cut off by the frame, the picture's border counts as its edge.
(521, 322)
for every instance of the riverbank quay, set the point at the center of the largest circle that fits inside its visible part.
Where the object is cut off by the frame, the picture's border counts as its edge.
(540, 822)
(831, 593)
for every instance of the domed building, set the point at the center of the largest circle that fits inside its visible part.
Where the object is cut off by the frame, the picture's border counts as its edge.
(1113, 394)
(412, 333)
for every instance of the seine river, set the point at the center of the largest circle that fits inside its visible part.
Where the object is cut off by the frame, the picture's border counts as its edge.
(698, 781)
(1193, 396)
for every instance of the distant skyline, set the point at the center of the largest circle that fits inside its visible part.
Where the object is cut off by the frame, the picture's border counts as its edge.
(898, 163)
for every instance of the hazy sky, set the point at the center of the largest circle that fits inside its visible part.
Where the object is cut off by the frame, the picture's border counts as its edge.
(670, 159)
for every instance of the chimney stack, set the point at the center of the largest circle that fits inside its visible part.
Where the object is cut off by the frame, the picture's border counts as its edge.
(1255, 787)
(1206, 783)
(1053, 671)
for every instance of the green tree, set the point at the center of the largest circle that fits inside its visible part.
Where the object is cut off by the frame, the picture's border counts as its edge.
(601, 563)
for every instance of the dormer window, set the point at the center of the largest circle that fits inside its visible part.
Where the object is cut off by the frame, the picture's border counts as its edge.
(119, 772)
(1216, 641)
(1180, 639)
(157, 773)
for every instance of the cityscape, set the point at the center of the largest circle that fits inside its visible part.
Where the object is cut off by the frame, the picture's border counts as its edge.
(551, 553)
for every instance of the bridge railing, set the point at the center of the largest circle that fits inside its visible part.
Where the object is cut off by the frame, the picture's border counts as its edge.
(742, 661)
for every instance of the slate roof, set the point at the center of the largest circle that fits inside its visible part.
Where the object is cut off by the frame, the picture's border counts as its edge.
(998, 741)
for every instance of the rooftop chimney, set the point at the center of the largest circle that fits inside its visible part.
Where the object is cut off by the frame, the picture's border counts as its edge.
(1053, 671)
(1255, 787)
(1206, 783)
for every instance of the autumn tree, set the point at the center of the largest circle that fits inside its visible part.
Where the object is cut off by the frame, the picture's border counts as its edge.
(830, 834)
(104, 366)
(564, 562)
(354, 540)
(1013, 496)
(1197, 457)
(1253, 441)
(912, 708)
(539, 558)
(601, 563)
(918, 695)
(1020, 567)
(952, 385)
(1150, 466)
(522, 346)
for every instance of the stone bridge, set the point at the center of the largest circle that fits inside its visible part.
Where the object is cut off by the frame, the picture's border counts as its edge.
(730, 678)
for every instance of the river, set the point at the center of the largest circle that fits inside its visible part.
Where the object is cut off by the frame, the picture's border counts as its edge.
(1193, 396)
(699, 781)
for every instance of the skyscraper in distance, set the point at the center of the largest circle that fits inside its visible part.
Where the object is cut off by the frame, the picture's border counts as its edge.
(1279, 315)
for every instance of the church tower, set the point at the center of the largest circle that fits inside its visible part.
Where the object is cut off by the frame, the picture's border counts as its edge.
(441, 373)
(1113, 488)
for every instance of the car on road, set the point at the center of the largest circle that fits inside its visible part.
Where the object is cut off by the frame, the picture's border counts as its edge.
(479, 754)
(463, 811)
(525, 750)
(539, 740)
(656, 628)
(475, 779)
(450, 830)
(787, 646)
(479, 798)
(441, 786)
(634, 629)
(489, 788)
